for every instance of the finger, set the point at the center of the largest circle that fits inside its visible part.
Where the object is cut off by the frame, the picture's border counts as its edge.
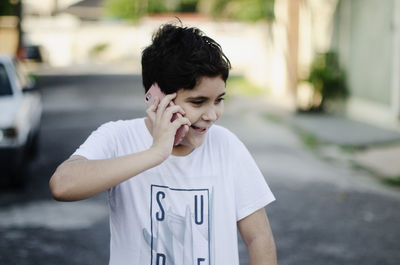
(151, 110)
(182, 121)
(173, 112)
(164, 103)
(186, 128)
(153, 105)
(151, 116)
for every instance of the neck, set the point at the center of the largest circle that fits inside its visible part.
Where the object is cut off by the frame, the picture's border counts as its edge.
(182, 150)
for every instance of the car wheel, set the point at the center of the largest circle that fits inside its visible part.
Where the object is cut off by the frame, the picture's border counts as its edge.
(18, 181)
(33, 148)
(19, 175)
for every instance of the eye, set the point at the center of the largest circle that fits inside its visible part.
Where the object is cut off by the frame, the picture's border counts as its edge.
(219, 100)
(197, 103)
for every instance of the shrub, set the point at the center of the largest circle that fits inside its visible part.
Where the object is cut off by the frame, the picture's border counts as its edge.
(328, 78)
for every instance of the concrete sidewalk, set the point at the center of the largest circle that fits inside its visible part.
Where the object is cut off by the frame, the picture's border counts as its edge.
(369, 146)
(335, 137)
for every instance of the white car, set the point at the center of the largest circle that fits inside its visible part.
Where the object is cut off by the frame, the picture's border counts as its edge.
(20, 115)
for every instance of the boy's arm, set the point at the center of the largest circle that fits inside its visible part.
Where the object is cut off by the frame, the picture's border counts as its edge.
(79, 178)
(257, 235)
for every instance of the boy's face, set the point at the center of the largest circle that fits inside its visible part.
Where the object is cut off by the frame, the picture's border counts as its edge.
(203, 105)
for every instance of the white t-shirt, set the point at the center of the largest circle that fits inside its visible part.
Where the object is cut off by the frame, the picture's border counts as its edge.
(184, 211)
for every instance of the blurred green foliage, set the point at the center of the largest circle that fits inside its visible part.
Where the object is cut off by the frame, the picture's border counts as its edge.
(8, 7)
(242, 86)
(309, 139)
(188, 5)
(328, 78)
(244, 10)
(393, 181)
(158, 6)
(134, 9)
(122, 9)
(97, 49)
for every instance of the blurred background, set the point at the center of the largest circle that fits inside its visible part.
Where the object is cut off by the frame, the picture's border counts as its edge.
(314, 93)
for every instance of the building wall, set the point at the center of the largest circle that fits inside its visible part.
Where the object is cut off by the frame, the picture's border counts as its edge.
(250, 47)
(364, 34)
(368, 59)
(9, 34)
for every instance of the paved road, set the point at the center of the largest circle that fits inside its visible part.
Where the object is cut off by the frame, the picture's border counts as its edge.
(326, 211)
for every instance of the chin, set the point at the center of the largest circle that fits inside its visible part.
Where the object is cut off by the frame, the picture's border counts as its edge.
(193, 141)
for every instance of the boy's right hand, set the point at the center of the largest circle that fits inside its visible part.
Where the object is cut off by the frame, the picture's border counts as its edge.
(162, 128)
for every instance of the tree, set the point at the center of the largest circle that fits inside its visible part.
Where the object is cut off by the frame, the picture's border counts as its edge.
(123, 9)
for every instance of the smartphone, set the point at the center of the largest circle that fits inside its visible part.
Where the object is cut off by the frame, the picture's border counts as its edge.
(155, 91)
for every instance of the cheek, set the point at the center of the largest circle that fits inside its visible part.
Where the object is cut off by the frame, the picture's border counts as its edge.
(220, 110)
(192, 114)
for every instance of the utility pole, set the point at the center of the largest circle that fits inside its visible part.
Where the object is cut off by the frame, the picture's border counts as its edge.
(54, 8)
(396, 64)
(292, 31)
(18, 10)
(141, 7)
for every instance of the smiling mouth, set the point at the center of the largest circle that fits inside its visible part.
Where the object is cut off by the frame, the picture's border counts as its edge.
(198, 129)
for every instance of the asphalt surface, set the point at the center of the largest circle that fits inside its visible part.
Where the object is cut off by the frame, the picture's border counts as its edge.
(326, 212)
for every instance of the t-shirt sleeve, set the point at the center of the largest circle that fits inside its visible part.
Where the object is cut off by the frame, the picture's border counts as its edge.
(251, 190)
(99, 145)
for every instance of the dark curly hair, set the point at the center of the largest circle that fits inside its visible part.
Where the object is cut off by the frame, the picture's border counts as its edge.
(179, 56)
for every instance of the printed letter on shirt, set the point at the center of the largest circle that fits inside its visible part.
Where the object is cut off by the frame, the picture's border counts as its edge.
(160, 215)
(180, 221)
(160, 257)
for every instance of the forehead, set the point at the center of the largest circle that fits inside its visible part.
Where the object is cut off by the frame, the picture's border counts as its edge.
(207, 86)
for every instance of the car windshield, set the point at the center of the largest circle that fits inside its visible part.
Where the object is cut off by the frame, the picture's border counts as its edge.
(5, 86)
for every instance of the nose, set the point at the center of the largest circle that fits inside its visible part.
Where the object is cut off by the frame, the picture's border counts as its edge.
(211, 114)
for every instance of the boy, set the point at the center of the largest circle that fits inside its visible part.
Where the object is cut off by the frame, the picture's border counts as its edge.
(175, 203)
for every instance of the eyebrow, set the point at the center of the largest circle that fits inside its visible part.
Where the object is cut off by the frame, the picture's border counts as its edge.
(203, 98)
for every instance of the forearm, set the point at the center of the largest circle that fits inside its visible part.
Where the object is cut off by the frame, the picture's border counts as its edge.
(81, 178)
(262, 251)
(257, 235)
